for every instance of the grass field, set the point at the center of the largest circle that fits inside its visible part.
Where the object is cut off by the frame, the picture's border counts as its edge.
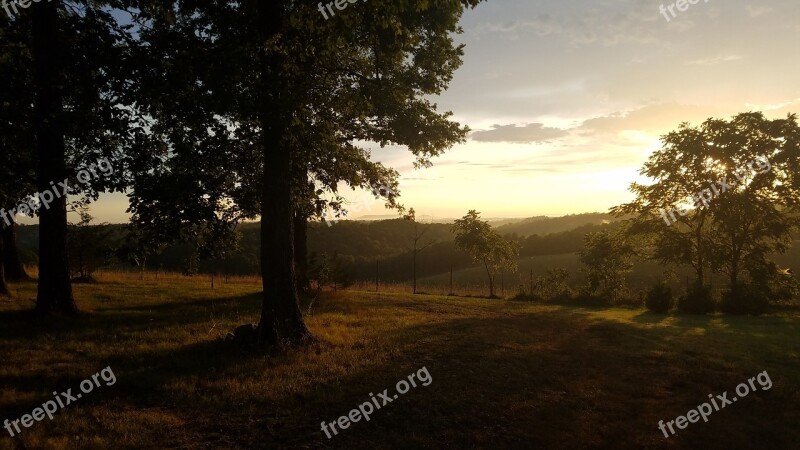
(505, 374)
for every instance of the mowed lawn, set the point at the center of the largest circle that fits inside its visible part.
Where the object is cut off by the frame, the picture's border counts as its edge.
(505, 374)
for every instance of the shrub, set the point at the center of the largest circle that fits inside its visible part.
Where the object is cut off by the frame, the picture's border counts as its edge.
(552, 286)
(659, 298)
(697, 300)
(629, 299)
(742, 299)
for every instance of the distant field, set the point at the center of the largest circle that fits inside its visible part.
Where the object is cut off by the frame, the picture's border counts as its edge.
(643, 275)
(505, 374)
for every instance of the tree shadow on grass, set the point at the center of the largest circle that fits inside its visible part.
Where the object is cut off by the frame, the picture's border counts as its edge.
(650, 317)
(548, 379)
(25, 324)
(553, 379)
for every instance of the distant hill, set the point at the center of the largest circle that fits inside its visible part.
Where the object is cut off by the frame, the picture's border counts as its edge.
(543, 225)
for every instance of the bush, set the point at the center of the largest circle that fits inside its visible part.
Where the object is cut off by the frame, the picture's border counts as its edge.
(742, 299)
(629, 299)
(659, 298)
(697, 300)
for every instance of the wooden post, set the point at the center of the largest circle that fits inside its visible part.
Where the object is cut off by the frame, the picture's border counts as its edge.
(212, 280)
(451, 278)
(376, 276)
(531, 282)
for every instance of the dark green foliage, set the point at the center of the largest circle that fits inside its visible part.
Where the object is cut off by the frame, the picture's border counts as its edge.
(697, 300)
(485, 245)
(89, 247)
(553, 286)
(607, 258)
(329, 271)
(659, 298)
(744, 299)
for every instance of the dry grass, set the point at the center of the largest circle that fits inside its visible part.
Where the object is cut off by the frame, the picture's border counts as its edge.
(505, 374)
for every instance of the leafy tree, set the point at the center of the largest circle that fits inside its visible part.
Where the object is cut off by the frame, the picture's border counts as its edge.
(484, 245)
(17, 166)
(709, 205)
(303, 91)
(607, 258)
(68, 57)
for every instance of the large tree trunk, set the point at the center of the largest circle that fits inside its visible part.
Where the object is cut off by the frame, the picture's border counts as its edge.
(281, 320)
(13, 265)
(55, 289)
(3, 286)
(301, 252)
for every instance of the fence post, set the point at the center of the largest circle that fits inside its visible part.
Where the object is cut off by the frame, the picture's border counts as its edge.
(450, 256)
(531, 282)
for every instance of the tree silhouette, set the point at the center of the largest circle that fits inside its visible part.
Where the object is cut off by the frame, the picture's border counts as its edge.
(484, 245)
(304, 93)
(724, 195)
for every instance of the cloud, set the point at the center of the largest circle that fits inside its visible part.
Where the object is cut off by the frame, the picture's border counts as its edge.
(628, 23)
(713, 61)
(654, 119)
(756, 11)
(777, 110)
(519, 134)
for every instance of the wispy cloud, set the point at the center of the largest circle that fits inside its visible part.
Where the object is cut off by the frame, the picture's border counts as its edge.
(714, 61)
(519, 134)
(759, 10)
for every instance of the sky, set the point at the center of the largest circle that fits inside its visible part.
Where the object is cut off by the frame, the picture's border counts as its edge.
(567, 98)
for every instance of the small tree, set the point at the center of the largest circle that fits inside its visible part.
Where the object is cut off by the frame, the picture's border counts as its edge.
(330, 270)
(607, 258)
(485, 245)
(418, 234)
(86, 244)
